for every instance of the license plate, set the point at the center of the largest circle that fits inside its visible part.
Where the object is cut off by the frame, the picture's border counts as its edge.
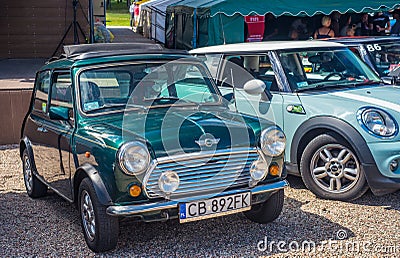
(214, 207)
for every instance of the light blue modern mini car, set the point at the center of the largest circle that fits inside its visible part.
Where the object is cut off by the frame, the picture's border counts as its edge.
(340, 120)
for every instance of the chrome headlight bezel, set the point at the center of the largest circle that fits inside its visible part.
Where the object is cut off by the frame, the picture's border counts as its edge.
(123, 160)
(273, 141)
(386, 120)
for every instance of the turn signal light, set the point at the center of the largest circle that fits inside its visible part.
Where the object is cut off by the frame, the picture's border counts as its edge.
(135, 190)
(274, 170)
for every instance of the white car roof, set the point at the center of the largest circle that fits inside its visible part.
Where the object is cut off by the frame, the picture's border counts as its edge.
(264, 46)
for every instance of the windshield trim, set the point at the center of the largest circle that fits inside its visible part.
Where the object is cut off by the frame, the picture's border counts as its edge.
(119, 63)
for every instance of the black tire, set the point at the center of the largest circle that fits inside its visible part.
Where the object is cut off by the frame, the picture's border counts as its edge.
(103, 236)
(331, 170)
(267, 211)
(34, 187)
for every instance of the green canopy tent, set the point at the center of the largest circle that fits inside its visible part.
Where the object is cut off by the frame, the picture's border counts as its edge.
(182, 17)
(198, 23)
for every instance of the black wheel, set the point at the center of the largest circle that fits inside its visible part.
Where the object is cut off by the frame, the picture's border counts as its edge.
(100, 230)
(34, 187)
(331, 169)
(268, 211)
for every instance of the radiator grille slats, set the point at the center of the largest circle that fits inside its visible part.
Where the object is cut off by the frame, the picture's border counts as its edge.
(209, 173)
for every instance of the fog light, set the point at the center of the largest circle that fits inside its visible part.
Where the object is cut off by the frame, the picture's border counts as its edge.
(168, 182)
(393, 165)
(135, 190)
(274, 170)
(258, 170)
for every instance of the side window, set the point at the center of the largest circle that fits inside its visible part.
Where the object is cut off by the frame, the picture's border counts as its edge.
(42, 91)
(61, 91)
(240, 69)
(212, 62)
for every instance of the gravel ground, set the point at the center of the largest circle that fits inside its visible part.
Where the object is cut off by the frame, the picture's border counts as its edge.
(49, 227)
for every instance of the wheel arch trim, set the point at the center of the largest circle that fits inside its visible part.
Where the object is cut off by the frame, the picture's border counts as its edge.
(25, 143)
(345, 130)
(87, 170)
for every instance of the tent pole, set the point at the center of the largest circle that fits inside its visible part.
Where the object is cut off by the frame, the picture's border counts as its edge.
(194, 28)
(222, 28)
(91, 22)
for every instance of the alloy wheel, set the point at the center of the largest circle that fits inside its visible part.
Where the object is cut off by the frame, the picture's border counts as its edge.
(88, 216)
(335, 168)
(28, 176)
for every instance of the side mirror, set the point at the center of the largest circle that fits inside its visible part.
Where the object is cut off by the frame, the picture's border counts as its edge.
(59, 113)
(254, 87)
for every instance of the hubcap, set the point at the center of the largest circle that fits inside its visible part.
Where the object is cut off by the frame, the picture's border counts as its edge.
(28, 177)
(335, 168)
(87, 213)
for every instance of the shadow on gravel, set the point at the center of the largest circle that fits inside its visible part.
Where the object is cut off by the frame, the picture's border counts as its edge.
(228, 236)
(44, 227)
(295, 182)
(389, 201)
(50, 226)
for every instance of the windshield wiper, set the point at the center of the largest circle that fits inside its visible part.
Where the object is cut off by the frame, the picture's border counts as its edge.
(106, 106)
(321, 86)
(172, 100)
(364, 82)
(163, 98)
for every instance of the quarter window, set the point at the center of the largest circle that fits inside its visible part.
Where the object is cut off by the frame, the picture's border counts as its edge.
(42, 90)
(61, 92)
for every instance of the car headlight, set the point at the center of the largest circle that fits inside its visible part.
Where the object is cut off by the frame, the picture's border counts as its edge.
(258, 170)
(134, 158)
(377, 122)
(168, 182)
(273, 141)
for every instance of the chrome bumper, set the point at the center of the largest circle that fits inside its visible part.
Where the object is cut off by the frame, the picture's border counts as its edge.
(131, 210)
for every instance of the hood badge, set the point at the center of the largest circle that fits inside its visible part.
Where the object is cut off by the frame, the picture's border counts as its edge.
(207, 140)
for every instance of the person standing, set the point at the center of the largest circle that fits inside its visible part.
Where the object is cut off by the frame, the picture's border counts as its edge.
(395, 31)
(136, 12)
(335, 22)
(325, 31)
(364, 27)
(132, 12)
(381, 23)
(271, 27)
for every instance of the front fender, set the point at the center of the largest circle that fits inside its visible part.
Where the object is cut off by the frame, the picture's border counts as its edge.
(25, 143)
(87, 170)
(326, 123)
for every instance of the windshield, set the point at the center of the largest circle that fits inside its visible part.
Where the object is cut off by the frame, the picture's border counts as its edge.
(385, 56)
(145, 85)
(320, 68)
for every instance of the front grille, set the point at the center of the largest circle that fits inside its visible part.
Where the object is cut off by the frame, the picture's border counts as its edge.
(204, 172)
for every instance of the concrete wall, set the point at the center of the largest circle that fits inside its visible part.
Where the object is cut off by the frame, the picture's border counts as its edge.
(34, 28)
(14, 104)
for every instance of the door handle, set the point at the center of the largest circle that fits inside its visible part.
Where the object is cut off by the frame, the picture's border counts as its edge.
(42, 129)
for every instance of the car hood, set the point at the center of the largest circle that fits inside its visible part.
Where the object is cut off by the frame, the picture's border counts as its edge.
(178, 130)
(345, 103)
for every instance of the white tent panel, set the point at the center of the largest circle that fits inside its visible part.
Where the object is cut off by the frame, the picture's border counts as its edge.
(156, 10)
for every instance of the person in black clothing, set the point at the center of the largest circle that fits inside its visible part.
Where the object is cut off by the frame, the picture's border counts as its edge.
(335, 22)
(395, 31)
(380, 23)
(325, 31)
(364, 27)
(271, 27)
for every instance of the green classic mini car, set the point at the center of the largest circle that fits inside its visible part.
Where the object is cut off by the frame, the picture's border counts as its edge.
(340, 120)
(136, 131)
